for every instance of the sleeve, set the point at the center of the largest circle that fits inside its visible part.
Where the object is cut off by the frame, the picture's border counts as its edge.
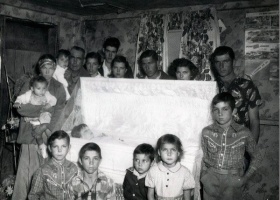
(150, 178)
(51, 99)
(189, 182)
(23, 98)
(36, 185)
(126, 187)
(254, 153)
(203, 144)
(253, 95)
(111, 192)
(61, 99)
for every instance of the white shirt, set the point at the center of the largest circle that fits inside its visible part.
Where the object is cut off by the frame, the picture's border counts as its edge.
(106, 70)
(59, 76)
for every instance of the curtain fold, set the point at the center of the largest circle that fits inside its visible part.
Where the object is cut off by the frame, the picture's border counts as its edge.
(199, 39)
(151, 36)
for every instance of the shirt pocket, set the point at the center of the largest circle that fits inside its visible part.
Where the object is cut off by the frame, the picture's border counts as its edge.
(211, 147)
(238, 150)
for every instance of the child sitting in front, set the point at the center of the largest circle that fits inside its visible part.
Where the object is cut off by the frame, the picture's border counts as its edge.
(134, 181)
(62, 60)
(38, 95)
(224, 144)
(168, 179)
(91, 183)
(82, 131)
(53, 179)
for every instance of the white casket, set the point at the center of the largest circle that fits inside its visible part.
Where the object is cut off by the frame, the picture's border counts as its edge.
(123, 113)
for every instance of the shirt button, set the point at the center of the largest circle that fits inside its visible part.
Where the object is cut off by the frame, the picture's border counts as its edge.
(223, 144)
(136, 183)
(166, 185)
(133, 195)
(222, 154)
(220, 165)
(167, 179)
(167, 173)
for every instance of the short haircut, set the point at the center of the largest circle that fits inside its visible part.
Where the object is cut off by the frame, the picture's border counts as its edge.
(76, 131)
(182, 62)
(113, 42)
(222, 50)
(63, 52)
(223, 97)
(37, 79)
(122, 59)
(148, 53)
(146, 149)
(58, 135)
(95, 56)
(78, 49)
(169, 139)
(90, 147)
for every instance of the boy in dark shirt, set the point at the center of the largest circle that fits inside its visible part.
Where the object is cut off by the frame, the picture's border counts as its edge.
(134, 181)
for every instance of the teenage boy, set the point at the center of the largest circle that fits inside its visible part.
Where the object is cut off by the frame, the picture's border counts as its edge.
(110, 48)
(246, 94)
(93, 64)
(149, 62)
(224, 144)
(134, 181)
(52, 180)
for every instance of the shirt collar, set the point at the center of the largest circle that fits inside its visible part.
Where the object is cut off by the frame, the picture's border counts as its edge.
(158, 77)
(233, 125)
(59, 164)
(172, 169)
(139, 176)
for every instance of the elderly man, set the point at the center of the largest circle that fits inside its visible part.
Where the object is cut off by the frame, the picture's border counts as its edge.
(246, 94)
(75, 69)
(150, 65)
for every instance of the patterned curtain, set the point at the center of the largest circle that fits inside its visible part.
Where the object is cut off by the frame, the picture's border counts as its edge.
(151, 36)
(200, 37)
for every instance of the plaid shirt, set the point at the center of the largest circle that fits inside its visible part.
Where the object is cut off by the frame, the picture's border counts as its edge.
(246, 95)
(102, 189)
(224, 149)
(53, 180)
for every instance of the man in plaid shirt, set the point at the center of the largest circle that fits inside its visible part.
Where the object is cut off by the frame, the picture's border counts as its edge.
(224, 144)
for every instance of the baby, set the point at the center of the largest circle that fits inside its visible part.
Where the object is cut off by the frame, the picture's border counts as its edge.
(38, 95)
(82, 131)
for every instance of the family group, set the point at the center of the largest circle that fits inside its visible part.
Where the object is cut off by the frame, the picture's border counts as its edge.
(230, 153)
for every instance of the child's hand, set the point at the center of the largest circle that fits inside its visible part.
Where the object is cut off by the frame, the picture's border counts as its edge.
(47, 106)
(43, 150)
(17, 105)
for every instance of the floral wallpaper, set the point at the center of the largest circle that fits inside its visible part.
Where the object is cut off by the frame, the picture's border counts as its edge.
(126, 30)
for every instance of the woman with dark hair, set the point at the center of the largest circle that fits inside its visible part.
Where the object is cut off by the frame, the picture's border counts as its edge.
(30, 158)
(120, 68)
(183, 69)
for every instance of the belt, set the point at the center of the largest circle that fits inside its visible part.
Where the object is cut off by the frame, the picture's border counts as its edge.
(225, 171)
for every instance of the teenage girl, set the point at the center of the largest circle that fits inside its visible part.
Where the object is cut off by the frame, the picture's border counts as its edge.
(168, 179)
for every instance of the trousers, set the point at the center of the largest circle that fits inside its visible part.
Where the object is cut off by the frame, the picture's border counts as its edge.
(29, 162)
(222, 185)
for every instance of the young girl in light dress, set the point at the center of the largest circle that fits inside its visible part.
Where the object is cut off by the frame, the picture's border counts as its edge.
(168, 179)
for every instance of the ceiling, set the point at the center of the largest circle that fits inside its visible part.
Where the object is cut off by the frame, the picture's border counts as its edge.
(101, 7)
